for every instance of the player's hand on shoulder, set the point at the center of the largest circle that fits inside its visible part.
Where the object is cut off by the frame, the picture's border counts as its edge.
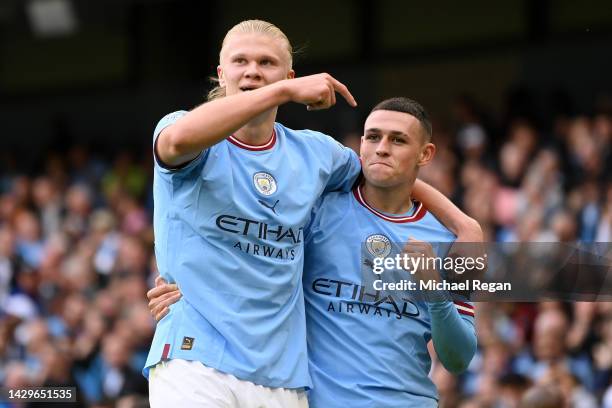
(418, 248)
(317, 91)
(161, 297)
(422, 250)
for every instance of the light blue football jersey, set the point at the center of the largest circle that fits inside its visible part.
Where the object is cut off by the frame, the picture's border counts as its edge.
(229, 231)
(365, 349)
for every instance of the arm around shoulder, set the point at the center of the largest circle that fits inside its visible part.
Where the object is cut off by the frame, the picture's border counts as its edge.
(464, 227)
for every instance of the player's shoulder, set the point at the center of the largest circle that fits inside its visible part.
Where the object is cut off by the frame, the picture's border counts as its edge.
(431, 220)
(303, 133)
(336, 198)
(332, 206)
(168, 120)
(307, 136)
(434, 226)
(172, 116)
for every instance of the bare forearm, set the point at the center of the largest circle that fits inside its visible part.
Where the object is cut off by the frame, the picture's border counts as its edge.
(448, 213)
(212, 122)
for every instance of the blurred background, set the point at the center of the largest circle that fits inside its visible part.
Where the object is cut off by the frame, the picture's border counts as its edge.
(521, 97)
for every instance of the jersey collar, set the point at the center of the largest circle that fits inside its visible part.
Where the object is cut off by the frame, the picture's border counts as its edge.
(417, 215)
(256, 148)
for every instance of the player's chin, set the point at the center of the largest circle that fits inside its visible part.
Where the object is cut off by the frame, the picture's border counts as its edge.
(379, 174)
(381, 179)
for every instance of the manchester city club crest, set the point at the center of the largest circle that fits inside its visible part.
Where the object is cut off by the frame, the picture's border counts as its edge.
(264, 183)
(378, 245)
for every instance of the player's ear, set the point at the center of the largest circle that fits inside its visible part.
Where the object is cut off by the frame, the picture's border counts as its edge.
(428, 152)
(291, 74)
(220, 76)
(361, 147)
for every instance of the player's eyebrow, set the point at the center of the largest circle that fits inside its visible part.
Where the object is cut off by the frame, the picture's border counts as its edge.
(391, 133)
(258, 57)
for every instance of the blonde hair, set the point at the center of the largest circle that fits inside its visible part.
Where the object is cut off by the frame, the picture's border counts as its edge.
(250, 27)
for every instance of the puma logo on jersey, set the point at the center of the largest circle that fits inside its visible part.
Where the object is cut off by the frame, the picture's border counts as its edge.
(267, 206)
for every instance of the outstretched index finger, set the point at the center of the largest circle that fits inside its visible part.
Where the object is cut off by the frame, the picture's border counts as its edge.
(343, 90)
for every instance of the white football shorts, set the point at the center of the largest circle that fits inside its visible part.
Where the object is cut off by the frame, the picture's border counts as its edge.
(180, 384)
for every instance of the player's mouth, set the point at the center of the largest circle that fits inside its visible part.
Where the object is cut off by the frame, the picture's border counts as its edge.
(381, 163)
(247, 88)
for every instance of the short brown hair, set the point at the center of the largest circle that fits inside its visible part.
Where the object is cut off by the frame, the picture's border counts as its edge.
(411, 107)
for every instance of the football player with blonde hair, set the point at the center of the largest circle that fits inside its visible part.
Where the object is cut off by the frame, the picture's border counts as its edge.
(233, 190)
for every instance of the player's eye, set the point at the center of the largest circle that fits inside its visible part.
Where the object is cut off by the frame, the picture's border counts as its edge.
(239, 60)
(398, 140)
(372, 137)
(266, 62)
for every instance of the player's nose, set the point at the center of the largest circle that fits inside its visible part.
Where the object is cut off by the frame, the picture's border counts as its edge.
(382, 147)
(252, 70)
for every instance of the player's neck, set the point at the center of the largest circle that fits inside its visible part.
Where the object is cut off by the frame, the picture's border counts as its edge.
(392, 200)
(258, 130)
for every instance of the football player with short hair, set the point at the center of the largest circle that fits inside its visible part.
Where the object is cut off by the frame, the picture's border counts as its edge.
(366, 349)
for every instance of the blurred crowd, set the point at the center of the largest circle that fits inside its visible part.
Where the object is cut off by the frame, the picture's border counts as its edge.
(529, 180)
(76, 259)
(75, 262)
